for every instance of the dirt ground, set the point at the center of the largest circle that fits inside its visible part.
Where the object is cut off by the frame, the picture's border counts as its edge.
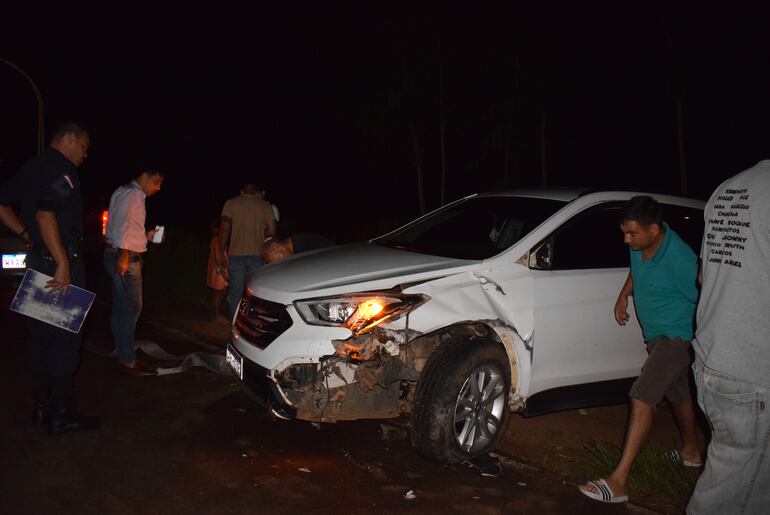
(193, 443)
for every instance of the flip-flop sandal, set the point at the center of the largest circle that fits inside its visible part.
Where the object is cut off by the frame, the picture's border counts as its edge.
(674, 455)
(604, 493)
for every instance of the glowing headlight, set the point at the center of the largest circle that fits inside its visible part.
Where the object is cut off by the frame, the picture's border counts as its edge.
(359, 312)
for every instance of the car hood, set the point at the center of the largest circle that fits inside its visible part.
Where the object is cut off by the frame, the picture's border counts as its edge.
(332, 270)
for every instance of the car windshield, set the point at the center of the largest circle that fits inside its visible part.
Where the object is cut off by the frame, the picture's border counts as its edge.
(474, 228)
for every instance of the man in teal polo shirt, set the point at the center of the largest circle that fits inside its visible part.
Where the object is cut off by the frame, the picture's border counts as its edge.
(663, 282)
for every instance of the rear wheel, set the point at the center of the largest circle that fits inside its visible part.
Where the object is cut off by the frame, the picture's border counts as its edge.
(461, 403)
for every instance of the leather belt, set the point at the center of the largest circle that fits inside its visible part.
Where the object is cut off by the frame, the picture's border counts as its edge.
(131, 253)
(109, 246)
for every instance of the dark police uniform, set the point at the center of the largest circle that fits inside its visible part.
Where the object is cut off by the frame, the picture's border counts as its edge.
(49, 182)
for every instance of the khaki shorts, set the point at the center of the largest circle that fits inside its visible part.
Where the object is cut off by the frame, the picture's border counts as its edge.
(665, 373)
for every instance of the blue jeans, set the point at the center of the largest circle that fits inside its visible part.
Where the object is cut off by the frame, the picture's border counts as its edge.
(239, 269)
(736, 477)
(126, 303)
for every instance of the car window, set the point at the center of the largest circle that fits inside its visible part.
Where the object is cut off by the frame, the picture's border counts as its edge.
(474, 228)
(592, 239)
(687, 222)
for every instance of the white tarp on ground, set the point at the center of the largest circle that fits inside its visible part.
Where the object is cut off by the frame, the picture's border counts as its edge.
(208, 360)
(214, 362)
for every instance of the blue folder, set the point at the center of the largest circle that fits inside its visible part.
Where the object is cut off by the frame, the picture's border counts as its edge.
(67, 311)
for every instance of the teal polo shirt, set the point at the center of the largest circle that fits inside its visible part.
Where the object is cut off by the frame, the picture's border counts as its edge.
(665, 290)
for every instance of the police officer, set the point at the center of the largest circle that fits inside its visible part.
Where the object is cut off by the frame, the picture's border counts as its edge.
(47, 189)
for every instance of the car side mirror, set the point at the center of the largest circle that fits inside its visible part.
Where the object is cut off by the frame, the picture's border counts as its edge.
(541, 257)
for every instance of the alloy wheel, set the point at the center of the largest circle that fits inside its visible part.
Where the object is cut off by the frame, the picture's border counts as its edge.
(479, 408)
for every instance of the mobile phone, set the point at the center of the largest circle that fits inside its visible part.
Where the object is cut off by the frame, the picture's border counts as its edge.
(158, 236)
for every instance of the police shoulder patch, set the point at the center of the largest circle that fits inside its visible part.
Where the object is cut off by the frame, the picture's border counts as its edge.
(63, 186)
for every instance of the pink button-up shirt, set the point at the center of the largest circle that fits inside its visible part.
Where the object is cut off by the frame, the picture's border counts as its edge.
(125, 222)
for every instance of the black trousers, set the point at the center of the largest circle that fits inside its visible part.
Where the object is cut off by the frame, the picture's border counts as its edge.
(53, 353)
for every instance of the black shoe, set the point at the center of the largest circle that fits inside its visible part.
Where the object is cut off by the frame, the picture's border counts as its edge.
(61, 423)
(63, 417)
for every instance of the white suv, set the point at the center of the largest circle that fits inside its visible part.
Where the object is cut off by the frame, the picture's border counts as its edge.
(499, 302)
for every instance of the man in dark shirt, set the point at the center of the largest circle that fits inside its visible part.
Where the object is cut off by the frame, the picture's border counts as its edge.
(47, 189)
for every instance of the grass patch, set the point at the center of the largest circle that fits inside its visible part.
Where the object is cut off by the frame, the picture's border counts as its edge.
(654, 475)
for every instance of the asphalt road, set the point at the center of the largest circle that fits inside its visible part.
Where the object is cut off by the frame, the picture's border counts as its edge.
(193, 443)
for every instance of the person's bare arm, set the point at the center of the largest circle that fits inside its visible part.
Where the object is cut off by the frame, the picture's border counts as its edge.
(270, 228)
(11, 220)
(49, 231)
(621, 305)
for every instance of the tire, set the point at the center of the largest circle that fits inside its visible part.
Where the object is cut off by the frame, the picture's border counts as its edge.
(452, 420)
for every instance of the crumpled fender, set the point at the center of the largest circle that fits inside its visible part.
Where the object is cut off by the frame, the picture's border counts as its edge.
(511, 302)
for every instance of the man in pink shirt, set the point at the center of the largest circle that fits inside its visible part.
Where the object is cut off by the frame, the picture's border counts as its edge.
(126, 241)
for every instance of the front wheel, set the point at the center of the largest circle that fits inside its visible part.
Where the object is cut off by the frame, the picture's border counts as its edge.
(461, 402)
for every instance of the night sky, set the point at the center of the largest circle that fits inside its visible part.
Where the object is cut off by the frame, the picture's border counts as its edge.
(332, 107)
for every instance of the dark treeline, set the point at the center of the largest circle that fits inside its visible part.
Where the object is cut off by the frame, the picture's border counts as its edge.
(357, 117)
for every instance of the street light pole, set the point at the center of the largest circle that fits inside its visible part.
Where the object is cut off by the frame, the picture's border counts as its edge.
(39, 97)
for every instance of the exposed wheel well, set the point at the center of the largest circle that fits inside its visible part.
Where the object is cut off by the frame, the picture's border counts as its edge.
(426, 344)
(422, 347)
(460, 406)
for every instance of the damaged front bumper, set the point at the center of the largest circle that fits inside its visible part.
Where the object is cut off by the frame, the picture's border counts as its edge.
(367, 377)
(260, 386)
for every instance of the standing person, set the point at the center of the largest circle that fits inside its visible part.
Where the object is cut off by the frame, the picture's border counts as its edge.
(47, 188)
(126, 241)
(732, 347)
(215, 276)
(663, 282)
(246, 220)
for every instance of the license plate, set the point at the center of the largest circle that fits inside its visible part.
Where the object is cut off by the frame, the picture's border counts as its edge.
(235, 361)
(14, 260)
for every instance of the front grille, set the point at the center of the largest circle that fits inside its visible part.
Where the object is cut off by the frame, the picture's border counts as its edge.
(260, 321)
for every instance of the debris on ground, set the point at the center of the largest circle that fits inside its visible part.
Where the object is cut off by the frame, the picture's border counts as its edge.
(511, 463)
(171, 364)
(488, 465)
(410, 495)
(304, 469)
(376, 471)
